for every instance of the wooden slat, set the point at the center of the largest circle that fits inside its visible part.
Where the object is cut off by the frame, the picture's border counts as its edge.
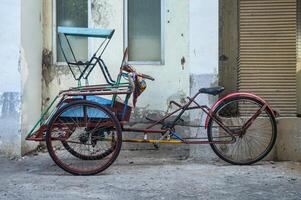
(267, 63)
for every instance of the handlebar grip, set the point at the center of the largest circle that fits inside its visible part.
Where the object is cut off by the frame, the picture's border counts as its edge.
(147, 77)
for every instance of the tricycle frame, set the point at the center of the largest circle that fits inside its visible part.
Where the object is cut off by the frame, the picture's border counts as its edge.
(119, 112)
(170, 128)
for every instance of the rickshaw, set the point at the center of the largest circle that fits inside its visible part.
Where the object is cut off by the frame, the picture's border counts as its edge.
(83, 126)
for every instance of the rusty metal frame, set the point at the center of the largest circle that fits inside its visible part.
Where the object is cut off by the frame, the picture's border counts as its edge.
(180, 110)
(166, 130)
(65, 95)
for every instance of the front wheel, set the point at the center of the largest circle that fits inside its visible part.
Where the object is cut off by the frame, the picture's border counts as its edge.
(84, 138)
(250, 145)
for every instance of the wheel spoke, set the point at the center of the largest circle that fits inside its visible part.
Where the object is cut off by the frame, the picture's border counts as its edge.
(89, 148)
(251, 144)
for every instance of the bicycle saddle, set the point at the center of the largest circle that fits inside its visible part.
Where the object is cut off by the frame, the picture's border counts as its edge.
(212, 90)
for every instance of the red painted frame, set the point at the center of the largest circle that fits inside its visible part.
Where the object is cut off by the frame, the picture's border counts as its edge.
(181, 109)
(237, 94)
(210, 114)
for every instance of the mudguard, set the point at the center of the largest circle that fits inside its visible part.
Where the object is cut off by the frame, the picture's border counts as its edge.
(235, 94)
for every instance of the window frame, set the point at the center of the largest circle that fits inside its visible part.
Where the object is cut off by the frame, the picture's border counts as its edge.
(54, 33)
(126, 34)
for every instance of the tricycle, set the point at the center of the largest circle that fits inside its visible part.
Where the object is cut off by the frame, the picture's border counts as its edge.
(83, 126)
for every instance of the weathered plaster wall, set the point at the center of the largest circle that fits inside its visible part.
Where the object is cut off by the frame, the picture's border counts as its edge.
(204, 17)
(10, 78)
(31, 67)
(288, 145)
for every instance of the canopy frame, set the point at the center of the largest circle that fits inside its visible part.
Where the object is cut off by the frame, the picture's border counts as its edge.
(85, 68)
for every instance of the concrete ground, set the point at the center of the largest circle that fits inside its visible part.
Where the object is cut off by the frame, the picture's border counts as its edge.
(145, 175)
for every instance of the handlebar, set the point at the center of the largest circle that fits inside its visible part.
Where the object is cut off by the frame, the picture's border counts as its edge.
(145, 76)
(130, 69)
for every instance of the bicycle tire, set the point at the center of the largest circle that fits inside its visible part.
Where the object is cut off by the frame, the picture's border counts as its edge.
(262, 154)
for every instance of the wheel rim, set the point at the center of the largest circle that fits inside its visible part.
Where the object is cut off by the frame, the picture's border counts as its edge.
(250, 146)
(83, 145)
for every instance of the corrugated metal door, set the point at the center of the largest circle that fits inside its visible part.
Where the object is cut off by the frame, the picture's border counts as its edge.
(299, 57)
(267, 65)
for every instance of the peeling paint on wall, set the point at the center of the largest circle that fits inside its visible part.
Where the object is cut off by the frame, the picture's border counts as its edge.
(10, 104)
(50, 71)
(10, 123)
(198, 81)
(47, 71)
(140, 114)
(101, 12)
(179, 97)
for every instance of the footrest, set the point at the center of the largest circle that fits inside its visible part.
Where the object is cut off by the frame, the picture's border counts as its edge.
(39, 135)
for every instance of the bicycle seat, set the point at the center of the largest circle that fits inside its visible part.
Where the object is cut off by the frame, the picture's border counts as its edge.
(212, 91)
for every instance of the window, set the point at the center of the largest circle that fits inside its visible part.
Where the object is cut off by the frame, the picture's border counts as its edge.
(72, 13)
(144, 31)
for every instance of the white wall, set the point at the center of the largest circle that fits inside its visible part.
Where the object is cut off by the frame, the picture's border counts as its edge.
(10, 77)
(31, 66)
(204, 29)
(204, 36)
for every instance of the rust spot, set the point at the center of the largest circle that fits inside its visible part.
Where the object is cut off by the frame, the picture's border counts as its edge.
(183, 61)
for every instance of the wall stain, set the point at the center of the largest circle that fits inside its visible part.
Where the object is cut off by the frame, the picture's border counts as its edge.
(47, 72)
(10, 102)
(179, 97)
(51, 72)
(183, 61)
(101, 12)
(140, 115)
(198, 81)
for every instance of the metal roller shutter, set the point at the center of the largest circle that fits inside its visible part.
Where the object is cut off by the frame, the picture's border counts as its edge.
(267, 64)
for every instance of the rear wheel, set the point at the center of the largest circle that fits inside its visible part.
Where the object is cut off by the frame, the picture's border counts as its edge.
(84, 138)
(252, 144)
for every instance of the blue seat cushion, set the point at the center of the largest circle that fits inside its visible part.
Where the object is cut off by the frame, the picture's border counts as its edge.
(91, 112)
